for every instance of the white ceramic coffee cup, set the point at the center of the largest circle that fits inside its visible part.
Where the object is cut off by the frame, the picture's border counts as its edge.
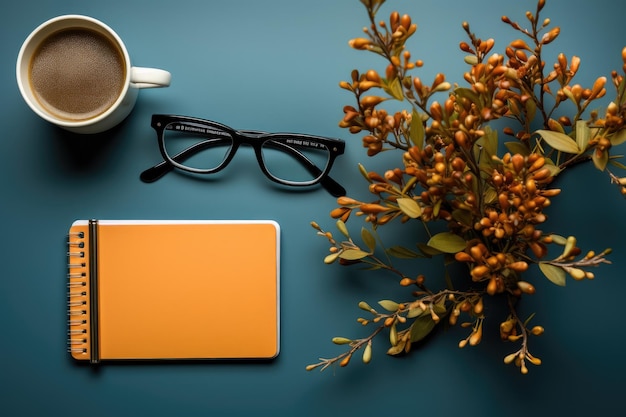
(135, 77)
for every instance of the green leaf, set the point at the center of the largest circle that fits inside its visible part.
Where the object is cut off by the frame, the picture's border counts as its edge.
(393, 334)
(414, 312)
(398, 348)
(440, 307)
(447, 242)
(553, 273)
(554, 170)
(568, 93)
(556, 126)
(531, 110)
(517, 147)
(353, 254)
(529, 319)
(600, 161)
(559, 141)
(421, 327)
(618, 138)
(617, 164)
(583, 134)
(417, 130)
(428, 251)
(490, 195)
(468, 94)
(389, 305)
(403, 253)
(513, 106)
(463, 216)
(363, 172)
(343, 229)
(485, 149)
(436, 208)
(410, 207)
(394, 89)
(368, 239)
(558, 239)
(329, 259)
(490, 141)
(409, 185)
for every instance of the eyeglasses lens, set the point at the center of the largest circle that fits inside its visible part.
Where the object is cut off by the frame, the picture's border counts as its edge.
(196, 146)
(295, 160)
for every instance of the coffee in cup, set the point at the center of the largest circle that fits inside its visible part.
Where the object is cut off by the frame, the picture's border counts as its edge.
(75, 72)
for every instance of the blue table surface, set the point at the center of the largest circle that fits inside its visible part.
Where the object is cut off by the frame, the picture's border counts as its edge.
(275, 66)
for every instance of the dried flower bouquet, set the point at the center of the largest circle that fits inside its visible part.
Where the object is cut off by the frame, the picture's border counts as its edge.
(452, 172)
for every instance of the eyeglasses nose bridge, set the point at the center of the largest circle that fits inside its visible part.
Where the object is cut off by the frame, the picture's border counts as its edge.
(251, 138)
(257, 145)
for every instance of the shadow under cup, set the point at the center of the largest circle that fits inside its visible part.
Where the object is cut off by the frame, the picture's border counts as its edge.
(74, 71)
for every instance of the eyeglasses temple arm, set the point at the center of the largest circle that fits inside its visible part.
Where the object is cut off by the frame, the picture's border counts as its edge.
(333, 187)
(154, 173)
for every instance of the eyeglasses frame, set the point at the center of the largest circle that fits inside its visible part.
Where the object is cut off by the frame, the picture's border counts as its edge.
(254, 138)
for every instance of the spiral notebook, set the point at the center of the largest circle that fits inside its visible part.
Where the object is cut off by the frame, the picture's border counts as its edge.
(173, 290)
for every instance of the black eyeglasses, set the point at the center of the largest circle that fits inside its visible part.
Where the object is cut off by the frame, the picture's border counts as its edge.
(205, 147)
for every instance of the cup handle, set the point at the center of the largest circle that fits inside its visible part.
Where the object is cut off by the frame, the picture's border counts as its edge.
(141, 77)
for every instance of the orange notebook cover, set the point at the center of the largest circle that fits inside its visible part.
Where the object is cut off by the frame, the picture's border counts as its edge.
(173, 290)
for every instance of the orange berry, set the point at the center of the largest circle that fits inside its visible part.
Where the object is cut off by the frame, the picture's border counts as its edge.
(526, 287)
(463, 257)
(478, 307)
(345, 361)
(537, 330)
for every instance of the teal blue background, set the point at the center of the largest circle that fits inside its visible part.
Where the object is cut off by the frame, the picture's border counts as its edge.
(275, 65)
